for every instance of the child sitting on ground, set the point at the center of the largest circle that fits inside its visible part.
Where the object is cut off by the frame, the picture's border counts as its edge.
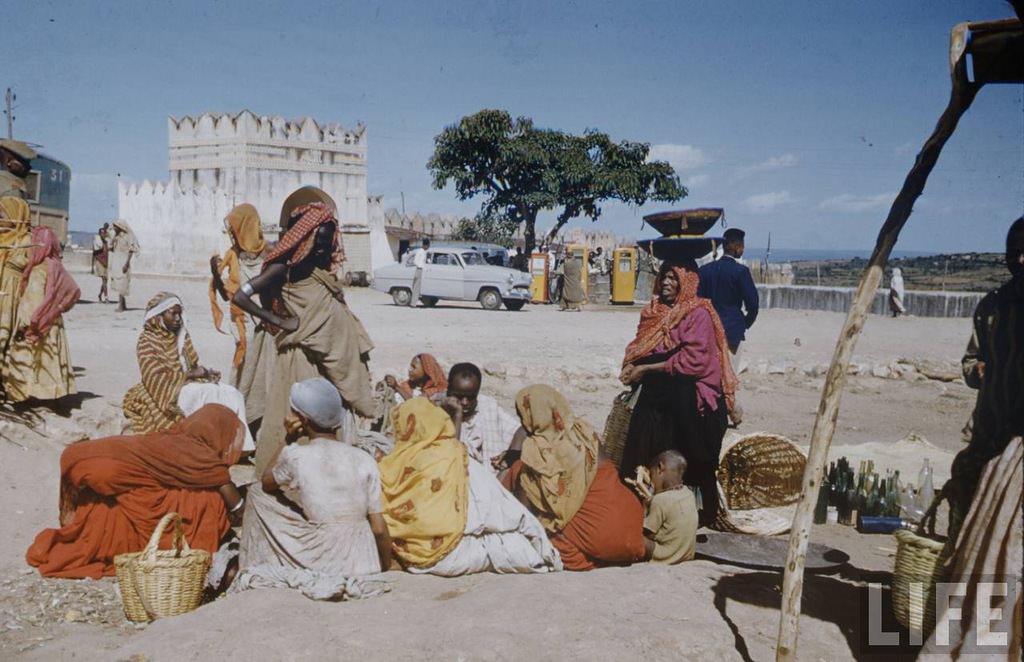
(670, 526)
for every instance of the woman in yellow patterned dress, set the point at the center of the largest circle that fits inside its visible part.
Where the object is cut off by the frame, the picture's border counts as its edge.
(37, 363)
(15, 250)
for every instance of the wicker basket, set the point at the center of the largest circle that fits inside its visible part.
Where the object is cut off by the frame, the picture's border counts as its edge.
(616, 426)
(159, 583)
(919, 567)
(761, 470)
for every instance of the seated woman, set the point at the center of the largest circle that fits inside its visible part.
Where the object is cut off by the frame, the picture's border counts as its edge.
(426, 378)
(173, 384)
(38, 362)
(447, 514)
(317, 511)
(593, 520)
(114, 491)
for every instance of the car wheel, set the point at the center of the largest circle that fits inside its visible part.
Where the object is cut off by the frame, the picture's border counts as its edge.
(429, 302)
(490, 300)
(401, 296)
(514, 304)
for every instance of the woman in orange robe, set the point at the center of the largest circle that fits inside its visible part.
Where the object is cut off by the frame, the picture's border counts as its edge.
(592, 519)
(114, 491)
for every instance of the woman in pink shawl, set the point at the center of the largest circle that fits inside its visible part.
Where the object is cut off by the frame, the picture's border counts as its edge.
(38, 362)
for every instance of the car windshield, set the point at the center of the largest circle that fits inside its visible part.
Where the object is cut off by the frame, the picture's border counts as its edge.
(472, 257)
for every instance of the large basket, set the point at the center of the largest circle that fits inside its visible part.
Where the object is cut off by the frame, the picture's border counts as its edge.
(159, 583)
(918, 568)
(761, 470)
(616, 426)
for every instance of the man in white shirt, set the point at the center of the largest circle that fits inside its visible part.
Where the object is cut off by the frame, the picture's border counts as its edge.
(419, 260)
(487, 429)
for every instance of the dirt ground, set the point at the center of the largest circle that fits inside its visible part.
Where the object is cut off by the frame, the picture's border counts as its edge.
(905, 403)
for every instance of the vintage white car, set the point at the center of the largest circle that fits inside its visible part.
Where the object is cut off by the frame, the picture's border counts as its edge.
(457, 274)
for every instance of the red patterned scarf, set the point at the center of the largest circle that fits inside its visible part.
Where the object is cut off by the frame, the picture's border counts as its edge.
(61, 290)
(657, 320)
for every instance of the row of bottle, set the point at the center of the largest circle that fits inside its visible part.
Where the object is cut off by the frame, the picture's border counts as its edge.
(868, 495)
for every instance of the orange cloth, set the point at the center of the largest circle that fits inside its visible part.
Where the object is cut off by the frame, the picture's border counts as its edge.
(114, 492)
(657, 320)
(244, 226)
(437, 380)
(606, 530)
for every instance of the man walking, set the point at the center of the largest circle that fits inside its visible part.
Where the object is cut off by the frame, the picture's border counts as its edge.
(419, 260)
(729, 285)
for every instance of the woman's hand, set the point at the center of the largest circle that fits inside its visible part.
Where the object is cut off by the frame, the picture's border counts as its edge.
(631, 374)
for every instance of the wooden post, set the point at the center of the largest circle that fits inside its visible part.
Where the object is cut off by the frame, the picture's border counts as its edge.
(962, 95)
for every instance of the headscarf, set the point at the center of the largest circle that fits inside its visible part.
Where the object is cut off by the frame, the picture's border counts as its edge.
(424, 484)
(126, 243)
(194, 454)
(14, 226)
(437, 380)
(318, 400)
(61, 290)
(297, 243)
(162, 302)
(559, 456)
(243, 223)
(657, 320)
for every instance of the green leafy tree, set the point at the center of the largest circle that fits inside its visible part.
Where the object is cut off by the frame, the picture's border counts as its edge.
(521, 170)
(485, 228)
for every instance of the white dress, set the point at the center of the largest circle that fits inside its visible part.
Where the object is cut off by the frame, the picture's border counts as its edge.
(322, 526)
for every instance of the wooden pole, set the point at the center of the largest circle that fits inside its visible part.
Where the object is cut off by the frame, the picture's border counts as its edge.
(962, 95)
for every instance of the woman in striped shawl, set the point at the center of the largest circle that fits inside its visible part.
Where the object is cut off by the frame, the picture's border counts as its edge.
(173, 384)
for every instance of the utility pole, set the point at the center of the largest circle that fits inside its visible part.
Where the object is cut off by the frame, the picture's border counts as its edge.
(9, 99)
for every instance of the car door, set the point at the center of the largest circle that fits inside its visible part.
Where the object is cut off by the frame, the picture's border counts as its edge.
(442, 276)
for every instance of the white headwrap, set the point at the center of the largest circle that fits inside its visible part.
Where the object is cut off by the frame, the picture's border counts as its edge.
(165, 304)
(318, 400)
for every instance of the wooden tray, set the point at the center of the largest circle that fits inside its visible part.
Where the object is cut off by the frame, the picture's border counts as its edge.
(764, 553)
(693, 222)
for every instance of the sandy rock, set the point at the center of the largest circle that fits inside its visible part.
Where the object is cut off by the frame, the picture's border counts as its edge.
(495, 370)
(777, 369)
(881, 371)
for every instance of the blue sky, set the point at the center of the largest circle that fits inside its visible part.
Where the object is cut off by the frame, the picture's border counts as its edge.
(800, 118)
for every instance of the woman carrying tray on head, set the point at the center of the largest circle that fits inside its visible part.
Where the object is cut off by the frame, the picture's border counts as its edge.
(680, 360)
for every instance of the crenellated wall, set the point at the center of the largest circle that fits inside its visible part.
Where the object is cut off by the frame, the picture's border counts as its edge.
(219, 160)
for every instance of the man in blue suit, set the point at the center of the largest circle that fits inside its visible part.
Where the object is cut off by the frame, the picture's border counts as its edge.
(729, 285)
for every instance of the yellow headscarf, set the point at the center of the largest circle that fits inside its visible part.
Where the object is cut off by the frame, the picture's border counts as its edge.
(424, 484)
(15, 227)
(559, 456)
(244, 225)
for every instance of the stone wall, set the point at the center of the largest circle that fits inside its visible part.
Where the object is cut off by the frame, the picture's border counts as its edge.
(839, 299)
(219, 160)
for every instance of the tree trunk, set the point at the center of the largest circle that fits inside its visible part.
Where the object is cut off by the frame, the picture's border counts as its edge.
(529, 232)
(828, 410)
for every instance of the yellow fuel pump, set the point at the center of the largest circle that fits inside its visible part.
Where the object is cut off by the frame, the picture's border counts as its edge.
(623, 276)
(539, 269)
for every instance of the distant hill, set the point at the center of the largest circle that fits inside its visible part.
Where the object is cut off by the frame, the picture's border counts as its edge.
(962, 272)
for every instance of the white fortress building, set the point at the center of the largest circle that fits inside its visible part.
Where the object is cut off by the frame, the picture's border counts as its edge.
(220, 160)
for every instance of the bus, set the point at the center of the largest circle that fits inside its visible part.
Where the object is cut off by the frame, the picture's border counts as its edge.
(48, 191)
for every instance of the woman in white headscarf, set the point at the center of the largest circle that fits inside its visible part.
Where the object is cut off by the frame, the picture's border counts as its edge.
(122, 248)
(896, 293)
(173, 384)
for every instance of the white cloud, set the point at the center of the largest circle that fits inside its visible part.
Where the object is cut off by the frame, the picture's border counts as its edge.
(680, 157)
(763, 203)
(849, 202)
(695, 181)
(771, 163)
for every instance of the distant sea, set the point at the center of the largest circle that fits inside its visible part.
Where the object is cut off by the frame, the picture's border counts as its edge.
(752, 253)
